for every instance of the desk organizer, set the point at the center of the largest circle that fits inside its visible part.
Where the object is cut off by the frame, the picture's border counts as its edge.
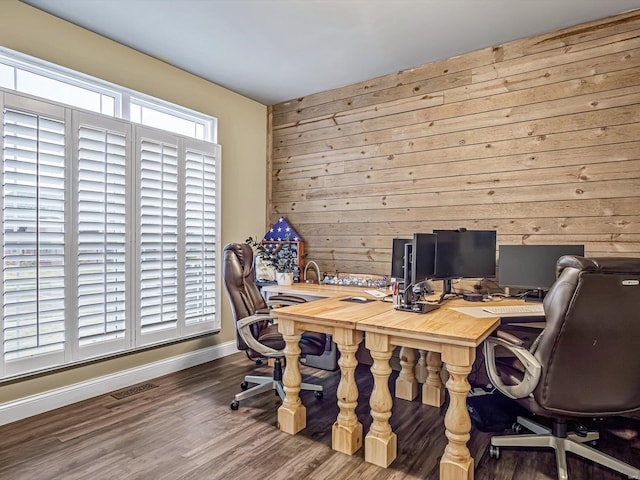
(355, 279)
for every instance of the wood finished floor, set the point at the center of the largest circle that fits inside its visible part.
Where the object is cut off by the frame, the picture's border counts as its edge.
(184, 430)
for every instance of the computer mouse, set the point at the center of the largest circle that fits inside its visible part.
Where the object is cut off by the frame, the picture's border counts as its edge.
(358, 299)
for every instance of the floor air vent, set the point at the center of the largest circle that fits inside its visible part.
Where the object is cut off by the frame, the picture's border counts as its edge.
(133, 391)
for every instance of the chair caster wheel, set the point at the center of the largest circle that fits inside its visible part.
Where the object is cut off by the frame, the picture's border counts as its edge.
(319, 395)
(244, 385)
(494, 452)
(235, 405)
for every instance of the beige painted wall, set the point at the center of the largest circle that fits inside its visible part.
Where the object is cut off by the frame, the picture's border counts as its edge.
(242, 133)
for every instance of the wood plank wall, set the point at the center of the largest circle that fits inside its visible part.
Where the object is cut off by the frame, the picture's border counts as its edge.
(538, 139)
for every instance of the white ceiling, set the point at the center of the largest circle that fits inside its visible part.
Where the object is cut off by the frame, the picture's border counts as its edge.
(277, 50)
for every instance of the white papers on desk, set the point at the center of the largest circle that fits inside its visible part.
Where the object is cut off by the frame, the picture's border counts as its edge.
(478, 312)
(376, 293)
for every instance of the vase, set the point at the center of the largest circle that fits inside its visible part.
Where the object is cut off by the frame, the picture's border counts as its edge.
(284, 278)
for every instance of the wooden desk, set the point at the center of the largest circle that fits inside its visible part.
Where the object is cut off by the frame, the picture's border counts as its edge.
(338, 318)
(452, 334)
(449, 333)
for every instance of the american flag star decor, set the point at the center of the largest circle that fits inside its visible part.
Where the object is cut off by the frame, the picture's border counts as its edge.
(280, 231)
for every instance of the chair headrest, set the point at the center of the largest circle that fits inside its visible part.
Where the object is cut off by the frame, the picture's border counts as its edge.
(629, 265)
(243, 252)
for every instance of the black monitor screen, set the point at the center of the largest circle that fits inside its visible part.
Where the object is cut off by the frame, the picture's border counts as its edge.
(397, 257)
(465, 254)
(422, 265)
(531, 266)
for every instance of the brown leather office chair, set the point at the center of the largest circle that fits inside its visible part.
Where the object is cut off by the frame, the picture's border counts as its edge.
(585, 363)
(255, 332)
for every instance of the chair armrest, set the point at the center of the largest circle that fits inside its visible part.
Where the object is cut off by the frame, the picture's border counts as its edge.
(508, 337)
(284, 300)
(291, 298)
(532, 372)
(244, 330)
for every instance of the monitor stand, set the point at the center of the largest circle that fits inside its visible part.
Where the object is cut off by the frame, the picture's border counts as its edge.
(418, 307)
(446, 289)
(409, 303)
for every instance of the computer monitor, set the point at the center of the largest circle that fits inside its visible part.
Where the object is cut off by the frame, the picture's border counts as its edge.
(531, 267)
(397, 258)
(464, 253)
(418, 264)
(408, 261)
(422, 265)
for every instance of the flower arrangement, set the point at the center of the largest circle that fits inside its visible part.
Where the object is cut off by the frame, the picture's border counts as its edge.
(282, 257)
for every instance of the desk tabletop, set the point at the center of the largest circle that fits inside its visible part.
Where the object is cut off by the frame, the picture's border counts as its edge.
(443, 324)
(334, 311)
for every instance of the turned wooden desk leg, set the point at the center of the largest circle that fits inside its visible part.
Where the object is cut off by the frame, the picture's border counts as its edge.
(380, 444)
(406, 383)
(292, 415)
(433, 389)
(421, 366)
(346, 433)
(456, 463)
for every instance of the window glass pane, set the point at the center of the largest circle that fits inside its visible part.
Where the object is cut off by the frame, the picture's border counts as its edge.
(172, 123)
(108, 105)
(33, 194)
(6, 76)
(135, 113)
(58, 91)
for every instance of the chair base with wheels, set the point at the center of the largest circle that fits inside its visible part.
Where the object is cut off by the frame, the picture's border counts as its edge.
(562, 442)
(264, 384)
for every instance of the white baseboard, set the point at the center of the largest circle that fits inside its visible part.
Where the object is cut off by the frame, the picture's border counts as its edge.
(33, 405)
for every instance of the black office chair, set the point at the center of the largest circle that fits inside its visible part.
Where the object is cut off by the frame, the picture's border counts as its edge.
(256, 333)
(585, 363)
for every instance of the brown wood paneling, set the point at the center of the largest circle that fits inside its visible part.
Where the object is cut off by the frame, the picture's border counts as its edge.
(538, 138)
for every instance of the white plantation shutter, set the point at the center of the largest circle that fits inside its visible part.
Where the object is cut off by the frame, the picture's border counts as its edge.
(158, 179)
(109, 236)
(33, 196)
(200, 236)
(102, 236)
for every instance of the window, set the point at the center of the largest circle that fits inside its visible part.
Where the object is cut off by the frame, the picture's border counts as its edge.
(36, 77)
(109, 235)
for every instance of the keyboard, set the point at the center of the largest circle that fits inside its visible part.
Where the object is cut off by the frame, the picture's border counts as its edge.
(529, 309)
